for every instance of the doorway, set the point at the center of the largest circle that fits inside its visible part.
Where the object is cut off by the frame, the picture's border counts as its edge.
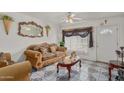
(107, 43)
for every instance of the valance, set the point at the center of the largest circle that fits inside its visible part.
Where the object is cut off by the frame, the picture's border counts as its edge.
(82, 32)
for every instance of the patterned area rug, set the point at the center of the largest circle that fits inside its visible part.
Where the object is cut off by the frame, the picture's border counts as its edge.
(90, 71)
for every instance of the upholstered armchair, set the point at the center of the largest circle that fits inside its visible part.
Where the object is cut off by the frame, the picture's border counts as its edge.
(5, 59)
(20, 71)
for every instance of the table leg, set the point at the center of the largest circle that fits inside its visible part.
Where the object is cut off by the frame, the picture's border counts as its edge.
(80, 63)
(57, 68)
(69, 72)
(110, 71)
(110, 74)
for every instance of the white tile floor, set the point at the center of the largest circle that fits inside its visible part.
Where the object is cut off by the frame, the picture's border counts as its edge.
(90, 71)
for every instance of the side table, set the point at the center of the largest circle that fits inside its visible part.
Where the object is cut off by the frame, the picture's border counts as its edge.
(114, 64)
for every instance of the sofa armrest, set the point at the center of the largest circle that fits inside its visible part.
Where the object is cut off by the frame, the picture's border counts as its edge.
(31, 53)
(34, 57)
(63, 49)
(17, 71)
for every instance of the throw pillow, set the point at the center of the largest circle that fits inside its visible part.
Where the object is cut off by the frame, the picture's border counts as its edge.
(4, 61)
(37, 48)
(53, 49)
(1, 54)
(55, 45)
(43, 50)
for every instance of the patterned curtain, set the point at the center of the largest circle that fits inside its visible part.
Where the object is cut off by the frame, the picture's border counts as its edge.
(84, 32)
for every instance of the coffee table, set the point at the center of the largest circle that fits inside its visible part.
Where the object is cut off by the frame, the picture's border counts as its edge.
(68, 66)
(114, 64)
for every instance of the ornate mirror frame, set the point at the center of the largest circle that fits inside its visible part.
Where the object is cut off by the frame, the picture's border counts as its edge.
(29, 23)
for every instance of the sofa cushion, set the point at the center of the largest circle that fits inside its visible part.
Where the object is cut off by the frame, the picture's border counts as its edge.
(37, 48)
(55, 45)
(43, 50)
(48, 56)
(3, 63)
(46, 45)
(53, 49)
(6, 56)
(59, 53)
(1, 54)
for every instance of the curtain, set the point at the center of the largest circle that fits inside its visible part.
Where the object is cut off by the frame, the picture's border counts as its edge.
(91, 40)
(82, 33)
(76, 43)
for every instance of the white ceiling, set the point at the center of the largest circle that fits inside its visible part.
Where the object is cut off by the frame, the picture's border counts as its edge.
(57, 17)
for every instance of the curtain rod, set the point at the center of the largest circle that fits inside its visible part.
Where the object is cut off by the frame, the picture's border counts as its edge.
(79, 29)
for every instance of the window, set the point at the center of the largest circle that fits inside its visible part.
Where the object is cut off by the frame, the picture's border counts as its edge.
(76, 43)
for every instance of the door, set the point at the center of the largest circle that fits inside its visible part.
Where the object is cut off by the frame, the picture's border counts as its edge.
(107, 41)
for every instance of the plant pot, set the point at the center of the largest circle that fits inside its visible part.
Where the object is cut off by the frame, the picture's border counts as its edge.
(7, 25)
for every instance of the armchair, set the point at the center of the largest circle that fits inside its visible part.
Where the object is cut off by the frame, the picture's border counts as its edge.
(5, 59)
(16, 72)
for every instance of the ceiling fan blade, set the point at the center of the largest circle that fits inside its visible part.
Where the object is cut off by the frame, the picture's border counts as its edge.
(63, 20)
(77, 18)
(70, 18)
(72, 15)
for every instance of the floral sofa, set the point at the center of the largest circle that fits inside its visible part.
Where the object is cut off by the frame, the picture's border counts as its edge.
(44, 54)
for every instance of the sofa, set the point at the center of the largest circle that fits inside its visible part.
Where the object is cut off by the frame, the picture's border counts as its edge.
(44, 54)
(16, 72)
(5, 59)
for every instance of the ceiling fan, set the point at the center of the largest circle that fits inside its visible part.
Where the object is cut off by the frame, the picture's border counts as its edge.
(70, 18)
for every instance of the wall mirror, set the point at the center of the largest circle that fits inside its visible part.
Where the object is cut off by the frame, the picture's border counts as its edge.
(30, 29)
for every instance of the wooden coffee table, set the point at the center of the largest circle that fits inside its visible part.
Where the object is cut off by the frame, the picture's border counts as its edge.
(68, 66)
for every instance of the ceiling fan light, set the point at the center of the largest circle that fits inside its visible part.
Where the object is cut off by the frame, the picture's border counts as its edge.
(72, 15)
(70, 21)
(70, 18)
(66, 21)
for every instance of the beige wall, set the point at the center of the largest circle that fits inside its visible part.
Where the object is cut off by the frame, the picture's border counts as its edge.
(118, 21)
(16, 44)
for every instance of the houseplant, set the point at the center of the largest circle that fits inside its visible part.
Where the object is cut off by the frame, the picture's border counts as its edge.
(7, 20)
(62, 43)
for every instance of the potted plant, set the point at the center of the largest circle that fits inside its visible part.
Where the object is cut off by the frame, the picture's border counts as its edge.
(7, 23)
(48, 28)
(62, 43)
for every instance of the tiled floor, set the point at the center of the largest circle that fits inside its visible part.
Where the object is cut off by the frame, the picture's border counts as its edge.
(90, 71)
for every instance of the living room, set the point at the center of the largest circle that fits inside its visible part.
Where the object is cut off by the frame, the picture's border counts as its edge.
(94, 37)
